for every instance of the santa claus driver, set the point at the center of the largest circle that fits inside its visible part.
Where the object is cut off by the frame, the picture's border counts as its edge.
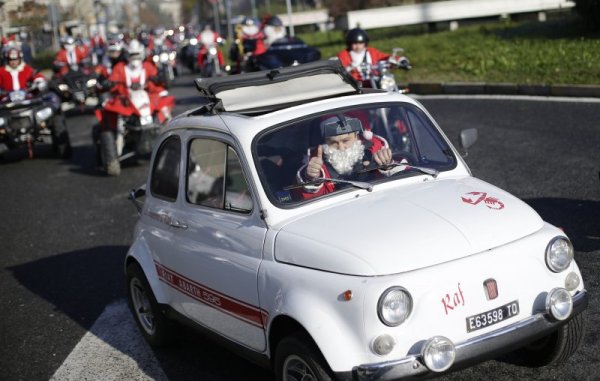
(349, 153)
(17, 75)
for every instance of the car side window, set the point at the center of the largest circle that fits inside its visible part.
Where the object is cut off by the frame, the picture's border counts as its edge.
(215, 177)
(164, 182)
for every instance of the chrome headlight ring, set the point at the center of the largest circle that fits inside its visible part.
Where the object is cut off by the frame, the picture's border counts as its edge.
(394, 306)
(559, 254)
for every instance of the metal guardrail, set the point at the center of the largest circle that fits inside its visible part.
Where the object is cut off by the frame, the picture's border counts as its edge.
(446, 11)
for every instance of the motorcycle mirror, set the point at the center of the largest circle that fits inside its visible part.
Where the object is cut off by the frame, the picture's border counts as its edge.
(467, 138)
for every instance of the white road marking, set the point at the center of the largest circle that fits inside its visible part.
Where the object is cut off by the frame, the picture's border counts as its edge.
(113, 349)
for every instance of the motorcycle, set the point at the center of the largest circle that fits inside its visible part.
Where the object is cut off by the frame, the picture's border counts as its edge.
(138, 121)
(26, 118)
(286, 51)
(166, 64)
(76, 88)
(380, 76)
(210, 59)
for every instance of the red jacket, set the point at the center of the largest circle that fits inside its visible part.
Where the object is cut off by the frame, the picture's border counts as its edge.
(21, 76)
(63, 59)
(372, 57)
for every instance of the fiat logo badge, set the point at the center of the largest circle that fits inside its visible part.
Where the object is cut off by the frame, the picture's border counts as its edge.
(491, 289)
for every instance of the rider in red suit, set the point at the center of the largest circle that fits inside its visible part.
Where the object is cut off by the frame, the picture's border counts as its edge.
(358, 52)
(17, 75)
(134, 75)
(68, 55)
(209, 38)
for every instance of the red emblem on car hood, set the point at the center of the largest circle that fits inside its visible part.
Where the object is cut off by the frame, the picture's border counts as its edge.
(489, 201)
(491, 289)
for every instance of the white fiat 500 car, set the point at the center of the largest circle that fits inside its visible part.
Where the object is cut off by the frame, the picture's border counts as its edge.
(391, 261)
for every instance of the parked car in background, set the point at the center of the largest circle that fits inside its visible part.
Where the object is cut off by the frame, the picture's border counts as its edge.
(411, 268)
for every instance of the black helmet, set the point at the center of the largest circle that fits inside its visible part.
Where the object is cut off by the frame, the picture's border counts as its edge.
(356, 35)
(274, 21)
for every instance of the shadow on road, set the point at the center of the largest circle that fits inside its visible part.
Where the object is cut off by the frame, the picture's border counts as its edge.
(79, 283)
(579, 219)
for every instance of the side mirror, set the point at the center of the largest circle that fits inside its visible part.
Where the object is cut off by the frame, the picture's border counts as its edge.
(467, 138)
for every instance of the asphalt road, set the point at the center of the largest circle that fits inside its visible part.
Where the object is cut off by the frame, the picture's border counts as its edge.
(65, 228)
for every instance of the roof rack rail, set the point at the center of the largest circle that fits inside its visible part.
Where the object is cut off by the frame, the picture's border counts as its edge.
(270, 90)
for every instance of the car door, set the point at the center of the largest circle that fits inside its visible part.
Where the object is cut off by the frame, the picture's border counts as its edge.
(213, 265)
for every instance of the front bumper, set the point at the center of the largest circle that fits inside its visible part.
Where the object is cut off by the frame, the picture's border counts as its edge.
(476, 350)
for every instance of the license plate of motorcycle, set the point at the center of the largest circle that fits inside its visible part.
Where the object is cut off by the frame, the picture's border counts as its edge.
(491, 317)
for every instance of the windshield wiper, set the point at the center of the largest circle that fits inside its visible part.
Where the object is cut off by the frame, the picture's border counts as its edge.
(321, 180)
(387, 167)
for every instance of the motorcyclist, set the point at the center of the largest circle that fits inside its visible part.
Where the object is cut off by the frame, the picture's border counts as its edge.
(135, 74)
(273, 30)
(358, 52)
(68, 56)
(248, 44)
(209, 38)
(17, 75)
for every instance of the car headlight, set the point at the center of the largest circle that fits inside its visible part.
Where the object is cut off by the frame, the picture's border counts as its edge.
(63, 87)
(559, 254)
(438, 353)
(559, 304)
(394, 306)
(43, 114)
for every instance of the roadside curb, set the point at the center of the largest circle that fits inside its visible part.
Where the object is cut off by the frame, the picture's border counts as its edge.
(482, 88)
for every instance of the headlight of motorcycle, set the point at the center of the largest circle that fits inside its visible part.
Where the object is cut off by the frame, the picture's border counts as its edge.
(388, 82)
(91, 82)
(43, 114)
(172, 56)
(2, 122)
(212, 51)
(559, 254)
(164, 57)
(63, 87)
(193, 41)
(155, 59)
(394, 306)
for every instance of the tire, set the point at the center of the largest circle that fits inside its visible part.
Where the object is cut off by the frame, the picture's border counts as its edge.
(297, 358)
(108, 150)
(554, 348)
(97, 147)
(152, 323)
(61, 143)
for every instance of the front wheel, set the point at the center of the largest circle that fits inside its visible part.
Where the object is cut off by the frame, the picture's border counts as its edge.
(153, 324)
(108, 150)
(554, 348)
(61, 143)
(298, 359)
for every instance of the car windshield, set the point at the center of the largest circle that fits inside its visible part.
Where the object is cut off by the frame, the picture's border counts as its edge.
(343, 145)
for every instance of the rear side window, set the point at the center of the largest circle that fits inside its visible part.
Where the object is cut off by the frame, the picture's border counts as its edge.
(164, 182)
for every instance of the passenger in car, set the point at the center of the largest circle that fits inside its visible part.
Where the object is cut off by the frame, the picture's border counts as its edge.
(347, 151)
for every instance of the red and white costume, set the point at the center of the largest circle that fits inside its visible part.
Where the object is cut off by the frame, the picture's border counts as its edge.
(352, 60)
(18, 78)
(67, 57)
(209, 38)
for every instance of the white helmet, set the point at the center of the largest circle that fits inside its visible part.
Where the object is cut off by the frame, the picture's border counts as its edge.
(136, 50)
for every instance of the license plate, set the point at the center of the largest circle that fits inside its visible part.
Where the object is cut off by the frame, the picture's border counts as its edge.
(491, 317)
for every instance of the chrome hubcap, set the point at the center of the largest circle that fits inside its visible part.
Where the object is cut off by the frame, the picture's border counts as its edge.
(296, 369)
(141, 305)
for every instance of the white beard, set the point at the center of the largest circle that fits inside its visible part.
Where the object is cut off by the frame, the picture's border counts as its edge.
(343, 161)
